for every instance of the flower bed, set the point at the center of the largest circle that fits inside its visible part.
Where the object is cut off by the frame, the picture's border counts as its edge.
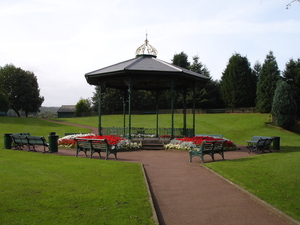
(187, 143)
(121, 143)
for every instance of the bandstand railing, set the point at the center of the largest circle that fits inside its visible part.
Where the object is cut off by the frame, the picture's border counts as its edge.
(142, 132)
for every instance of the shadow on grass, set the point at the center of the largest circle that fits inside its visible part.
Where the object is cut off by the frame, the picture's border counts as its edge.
(286, 149)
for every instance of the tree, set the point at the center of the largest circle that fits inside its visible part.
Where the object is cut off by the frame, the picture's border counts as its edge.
(198, 67)
(256, 70)
(30, 99)
(21, 89)
(266, 85)
(83, 107)
(4, 103)
(181, 60)
(208, 94)
(284, 106)
(291, 75)
(238, 83)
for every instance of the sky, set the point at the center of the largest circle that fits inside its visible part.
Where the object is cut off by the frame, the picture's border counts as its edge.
(62, 40)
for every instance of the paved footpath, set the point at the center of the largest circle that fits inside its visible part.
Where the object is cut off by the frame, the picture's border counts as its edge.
(186, 193)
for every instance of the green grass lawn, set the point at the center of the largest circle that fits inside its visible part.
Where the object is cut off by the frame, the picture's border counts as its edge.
(236, 127)
(51, 189)
(272, 177)
(36, 127)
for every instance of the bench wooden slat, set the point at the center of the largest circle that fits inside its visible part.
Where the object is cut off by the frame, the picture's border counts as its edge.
(259, 144)
(95, 146)
(208, 148)
(25, 139)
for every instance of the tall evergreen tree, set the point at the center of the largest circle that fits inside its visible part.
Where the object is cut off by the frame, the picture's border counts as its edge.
(284, 106)
(181, 60)
(292, 75)
(266, 84)
(256, 70)
(208, 94)
(238, 83)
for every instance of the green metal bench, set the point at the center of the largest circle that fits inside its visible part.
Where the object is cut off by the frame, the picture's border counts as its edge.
(36, 140)
(95, 146)
(25, 139)
(19, 140)
(208, 148)
(259, 144)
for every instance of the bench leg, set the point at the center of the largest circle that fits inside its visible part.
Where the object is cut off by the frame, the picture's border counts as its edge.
(93, 151)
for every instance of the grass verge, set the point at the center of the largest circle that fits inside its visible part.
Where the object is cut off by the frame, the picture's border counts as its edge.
(236, 127)
(273, 178)
(51, 189)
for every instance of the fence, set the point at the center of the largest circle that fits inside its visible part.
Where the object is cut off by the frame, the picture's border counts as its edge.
(147, 132)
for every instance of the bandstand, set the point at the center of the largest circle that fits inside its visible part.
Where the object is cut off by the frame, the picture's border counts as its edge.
(146, 72)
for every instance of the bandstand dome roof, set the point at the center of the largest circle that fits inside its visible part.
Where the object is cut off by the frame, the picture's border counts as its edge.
(146, 72)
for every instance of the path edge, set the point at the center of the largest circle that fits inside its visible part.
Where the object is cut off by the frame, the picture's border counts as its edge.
(154, 214)
(271, 208)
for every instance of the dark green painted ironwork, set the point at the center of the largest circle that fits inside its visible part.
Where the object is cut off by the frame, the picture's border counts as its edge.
(156, 114)
(129, 107)
(194, 108)
(172, 108)
(184, 111)
(124, 112)
(145, 132)
(99, 110)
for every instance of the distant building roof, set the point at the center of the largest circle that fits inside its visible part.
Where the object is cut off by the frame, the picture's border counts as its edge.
(67, 108)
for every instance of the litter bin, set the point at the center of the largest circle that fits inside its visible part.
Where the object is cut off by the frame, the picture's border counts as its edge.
(276, 143)
(53, 146)
(7, 141)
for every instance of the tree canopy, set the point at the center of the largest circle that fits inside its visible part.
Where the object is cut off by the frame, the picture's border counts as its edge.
(181, 60)
(21, 89)
(291, 75)
(284, 106)
(268, 77)
(83, 107)
(238, 83)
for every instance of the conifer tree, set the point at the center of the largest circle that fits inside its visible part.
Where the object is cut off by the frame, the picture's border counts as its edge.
(266, 85)
(284, 106)
(291, 75)
(238, 83)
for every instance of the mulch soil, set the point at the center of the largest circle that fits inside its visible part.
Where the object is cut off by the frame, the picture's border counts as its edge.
(186, 193)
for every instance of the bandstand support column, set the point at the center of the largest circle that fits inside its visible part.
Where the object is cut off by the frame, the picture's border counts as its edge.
(184, 111)
(124, 112)
(194, 108)
(172, 109)
(99, 110)
(129, 107)
(157, 114)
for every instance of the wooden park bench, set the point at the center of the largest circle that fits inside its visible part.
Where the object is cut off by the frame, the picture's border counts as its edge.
(208, 148)
(95, 146)
(25, 139)
(36, 140)
(259, 144)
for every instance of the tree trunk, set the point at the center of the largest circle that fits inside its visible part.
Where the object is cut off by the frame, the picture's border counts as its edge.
(16, 111)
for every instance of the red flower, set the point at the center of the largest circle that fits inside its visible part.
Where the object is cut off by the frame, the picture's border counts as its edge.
(111, 140)
(197, 140)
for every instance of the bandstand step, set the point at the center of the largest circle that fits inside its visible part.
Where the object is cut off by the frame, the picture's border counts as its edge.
(152, 145)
